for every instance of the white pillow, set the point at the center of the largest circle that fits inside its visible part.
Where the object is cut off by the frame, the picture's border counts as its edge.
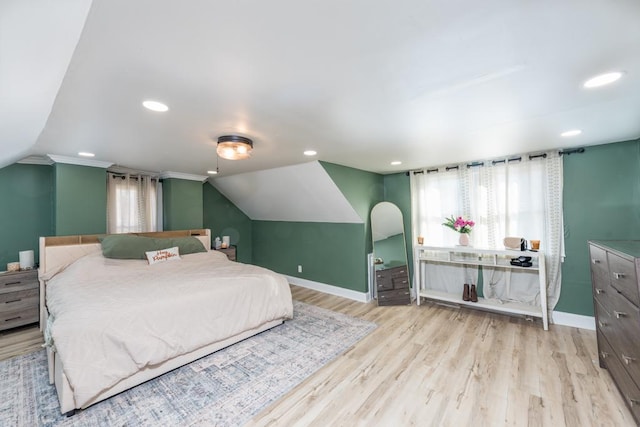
(162, 255)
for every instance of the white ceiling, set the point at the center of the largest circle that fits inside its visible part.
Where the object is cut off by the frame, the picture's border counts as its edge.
(426, 82)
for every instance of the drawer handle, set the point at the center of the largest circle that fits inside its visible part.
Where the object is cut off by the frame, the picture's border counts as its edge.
(604, 354)
(13, 300)
(13, 318)
(627, 359)
(13, 283)
(618, 275)
(595, 261)
(602, 324)
(633, 402)
(599, 291)
(619, 314)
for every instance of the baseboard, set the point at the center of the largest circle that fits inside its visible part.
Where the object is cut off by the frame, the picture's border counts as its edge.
(330, 289)
(574, 320)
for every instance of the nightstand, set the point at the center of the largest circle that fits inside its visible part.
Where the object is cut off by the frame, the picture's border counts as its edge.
(19, 298)
(230, 252)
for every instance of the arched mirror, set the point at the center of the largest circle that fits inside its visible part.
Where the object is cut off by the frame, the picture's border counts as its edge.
(390, 255)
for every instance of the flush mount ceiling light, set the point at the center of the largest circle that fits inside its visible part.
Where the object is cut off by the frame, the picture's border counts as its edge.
(602, 79)
(396, 163)
(155, 106)
(310, 153)
(86, 154)
(234, 147)
(570, 133)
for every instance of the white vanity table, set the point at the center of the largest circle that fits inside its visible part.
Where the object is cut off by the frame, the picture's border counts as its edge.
(464, 255)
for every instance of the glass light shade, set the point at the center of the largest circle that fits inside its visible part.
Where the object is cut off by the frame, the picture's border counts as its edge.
(233, 147)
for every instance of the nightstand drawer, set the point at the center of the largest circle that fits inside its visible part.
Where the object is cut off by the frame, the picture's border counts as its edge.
(18, 281)
(12, 319)
(21, 300)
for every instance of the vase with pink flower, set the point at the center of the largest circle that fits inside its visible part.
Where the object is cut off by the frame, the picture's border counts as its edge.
(462, 226)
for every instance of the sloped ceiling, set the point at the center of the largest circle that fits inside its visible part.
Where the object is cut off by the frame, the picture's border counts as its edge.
(37, 41)
(425, 82)
(303, 193)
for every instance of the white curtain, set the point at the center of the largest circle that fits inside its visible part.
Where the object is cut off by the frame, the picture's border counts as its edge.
(132, 203)
(518, 197)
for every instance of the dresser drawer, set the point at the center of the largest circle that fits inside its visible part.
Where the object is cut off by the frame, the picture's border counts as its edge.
(18, 281)
(604, 322)
(625, 322)
(384, 281)
(628, 388)
(394, 297)
(623, 277)
(599, 265)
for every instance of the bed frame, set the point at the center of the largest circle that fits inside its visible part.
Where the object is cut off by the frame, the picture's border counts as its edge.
(58, 251)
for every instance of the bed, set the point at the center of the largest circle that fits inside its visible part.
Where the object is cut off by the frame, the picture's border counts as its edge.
(111, 323)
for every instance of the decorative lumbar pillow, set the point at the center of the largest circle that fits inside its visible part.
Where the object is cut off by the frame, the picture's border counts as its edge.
(162, 255)
(187, 245)
(127, 246)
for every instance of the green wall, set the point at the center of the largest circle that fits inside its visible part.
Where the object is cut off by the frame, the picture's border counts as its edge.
(329, 253)
(26, 192)
(80, 200)
(362, 189)
(182, 204)
(225, 219)
(601, 201)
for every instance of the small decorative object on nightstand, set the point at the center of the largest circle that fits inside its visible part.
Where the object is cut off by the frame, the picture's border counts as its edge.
(19, 298)
(230, 252)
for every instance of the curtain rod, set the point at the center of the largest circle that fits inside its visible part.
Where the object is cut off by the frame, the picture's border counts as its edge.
(496, 162)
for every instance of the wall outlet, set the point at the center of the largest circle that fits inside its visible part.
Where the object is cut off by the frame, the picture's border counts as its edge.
(300, 269)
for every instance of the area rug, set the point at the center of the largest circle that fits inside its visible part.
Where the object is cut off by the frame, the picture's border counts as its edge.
(226, 388)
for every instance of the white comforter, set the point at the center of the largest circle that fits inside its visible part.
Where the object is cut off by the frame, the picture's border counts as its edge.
(112, 318)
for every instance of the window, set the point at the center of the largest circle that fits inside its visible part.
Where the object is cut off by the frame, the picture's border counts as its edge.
(132, 203)
(520, 198)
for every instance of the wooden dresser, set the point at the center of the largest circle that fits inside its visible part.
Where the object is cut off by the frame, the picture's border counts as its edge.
(392, 285)
(19, 298)
(615, 269)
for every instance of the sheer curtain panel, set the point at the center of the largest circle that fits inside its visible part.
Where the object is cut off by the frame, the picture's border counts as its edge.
(131, 203)
(519, 197)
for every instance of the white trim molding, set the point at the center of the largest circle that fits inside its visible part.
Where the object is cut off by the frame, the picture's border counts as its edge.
(36, 160)
(180, 175)
(330, 289)
(574, 320)
(79, 161)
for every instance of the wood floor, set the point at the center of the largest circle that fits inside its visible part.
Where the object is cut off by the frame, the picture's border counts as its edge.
(439, 366)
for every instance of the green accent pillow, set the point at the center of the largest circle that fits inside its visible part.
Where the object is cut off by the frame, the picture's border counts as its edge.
(127, 246)
(187, 245)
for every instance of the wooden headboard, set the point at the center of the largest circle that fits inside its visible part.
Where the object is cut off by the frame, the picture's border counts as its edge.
(59, 251)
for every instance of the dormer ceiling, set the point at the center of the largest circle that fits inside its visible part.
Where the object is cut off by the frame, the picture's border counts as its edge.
(423, 82)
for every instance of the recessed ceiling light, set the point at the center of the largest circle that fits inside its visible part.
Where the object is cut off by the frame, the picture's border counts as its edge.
(155, 106)
(86, 154)
(212, 172)
(572, 132)
(602, 79)
(396, 163)
(310, 153)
